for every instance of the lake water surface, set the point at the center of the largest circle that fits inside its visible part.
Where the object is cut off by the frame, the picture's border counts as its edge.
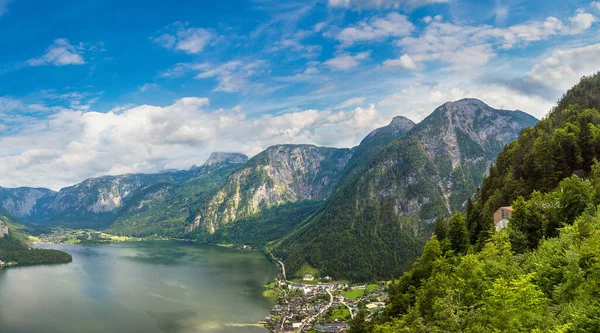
(138, 287)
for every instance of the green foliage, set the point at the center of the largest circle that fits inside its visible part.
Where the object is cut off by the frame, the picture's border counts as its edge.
(165, 209)
(441, 228)
(551, 289)
(35, 256)
(458, 234)
(567, 140)
(268, 225)
(541, 273)
(14, 248)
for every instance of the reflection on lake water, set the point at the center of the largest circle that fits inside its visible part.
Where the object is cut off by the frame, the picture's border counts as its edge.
(138, 287)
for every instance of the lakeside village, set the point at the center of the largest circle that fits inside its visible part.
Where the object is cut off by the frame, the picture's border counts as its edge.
(312, 304)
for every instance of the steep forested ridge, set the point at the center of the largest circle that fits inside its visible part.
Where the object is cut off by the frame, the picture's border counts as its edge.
(567, 140)
(541, 273)
(15, 251)
(374, 224)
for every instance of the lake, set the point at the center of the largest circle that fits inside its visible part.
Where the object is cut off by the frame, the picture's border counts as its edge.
(138, 287)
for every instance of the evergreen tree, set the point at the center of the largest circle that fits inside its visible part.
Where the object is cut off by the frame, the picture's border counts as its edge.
(441, 228)
(458, 234)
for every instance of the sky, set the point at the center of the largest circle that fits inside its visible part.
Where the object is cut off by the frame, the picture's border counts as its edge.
(90, 88)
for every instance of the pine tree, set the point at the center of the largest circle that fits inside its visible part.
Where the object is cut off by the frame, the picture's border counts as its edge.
(458, 234)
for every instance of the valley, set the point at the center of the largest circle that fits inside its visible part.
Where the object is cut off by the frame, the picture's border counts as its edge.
(323, 166)
(339, 221)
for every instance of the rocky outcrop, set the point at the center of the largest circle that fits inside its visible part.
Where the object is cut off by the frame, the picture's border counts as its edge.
(23, 202)
(218, 158)
(3, 229)
(282, 173)
(374, 142)
(398, 126)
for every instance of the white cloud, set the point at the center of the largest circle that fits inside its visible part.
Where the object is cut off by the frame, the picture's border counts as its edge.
(350, 102)
(580, 22)
(300, 49)
(596, 5)
(346, 60)
(564, 67)
(311, 71)
(76, 145)
(233, 76)
(403, 62)
(501, 13)
(466, 46)
(429, 19)
(60, 53)
(381, 4)
(147, 86)
(183, 38)
(319, 26)
(376, 29)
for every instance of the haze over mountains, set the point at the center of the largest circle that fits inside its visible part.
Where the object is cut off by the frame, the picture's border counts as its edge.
(374, 203)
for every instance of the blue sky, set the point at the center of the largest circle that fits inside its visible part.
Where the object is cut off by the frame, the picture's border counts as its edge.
(106, 87)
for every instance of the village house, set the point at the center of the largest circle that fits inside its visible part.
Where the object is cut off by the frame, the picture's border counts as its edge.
(501, 217)
(333, 328)
(308, 277)
(375, 305)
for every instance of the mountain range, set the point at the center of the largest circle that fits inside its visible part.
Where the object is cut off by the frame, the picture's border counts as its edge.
(359, 213)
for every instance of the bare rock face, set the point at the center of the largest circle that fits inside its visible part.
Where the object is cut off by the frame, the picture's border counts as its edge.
(218, 158)
(22, 202)
(282, 173)
(3, 229)
(399, 125)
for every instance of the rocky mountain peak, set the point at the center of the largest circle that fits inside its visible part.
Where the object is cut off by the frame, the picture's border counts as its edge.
(466, 108)
(401, 123)
(223, 158)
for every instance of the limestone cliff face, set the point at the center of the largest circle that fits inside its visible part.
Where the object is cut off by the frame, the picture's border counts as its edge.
(22, 202)
(459, 140)
(97, 195)
(220, 158)
(282, 173)
(3, 229)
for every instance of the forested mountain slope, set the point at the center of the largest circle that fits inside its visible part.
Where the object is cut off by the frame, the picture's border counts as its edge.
(567, 140)
(373, 143)
(273, 222)
(374, 224)
(15, 251)
(541, 273)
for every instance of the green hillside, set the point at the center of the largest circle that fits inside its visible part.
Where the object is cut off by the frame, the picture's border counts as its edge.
(15, 251)
(541, 273)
